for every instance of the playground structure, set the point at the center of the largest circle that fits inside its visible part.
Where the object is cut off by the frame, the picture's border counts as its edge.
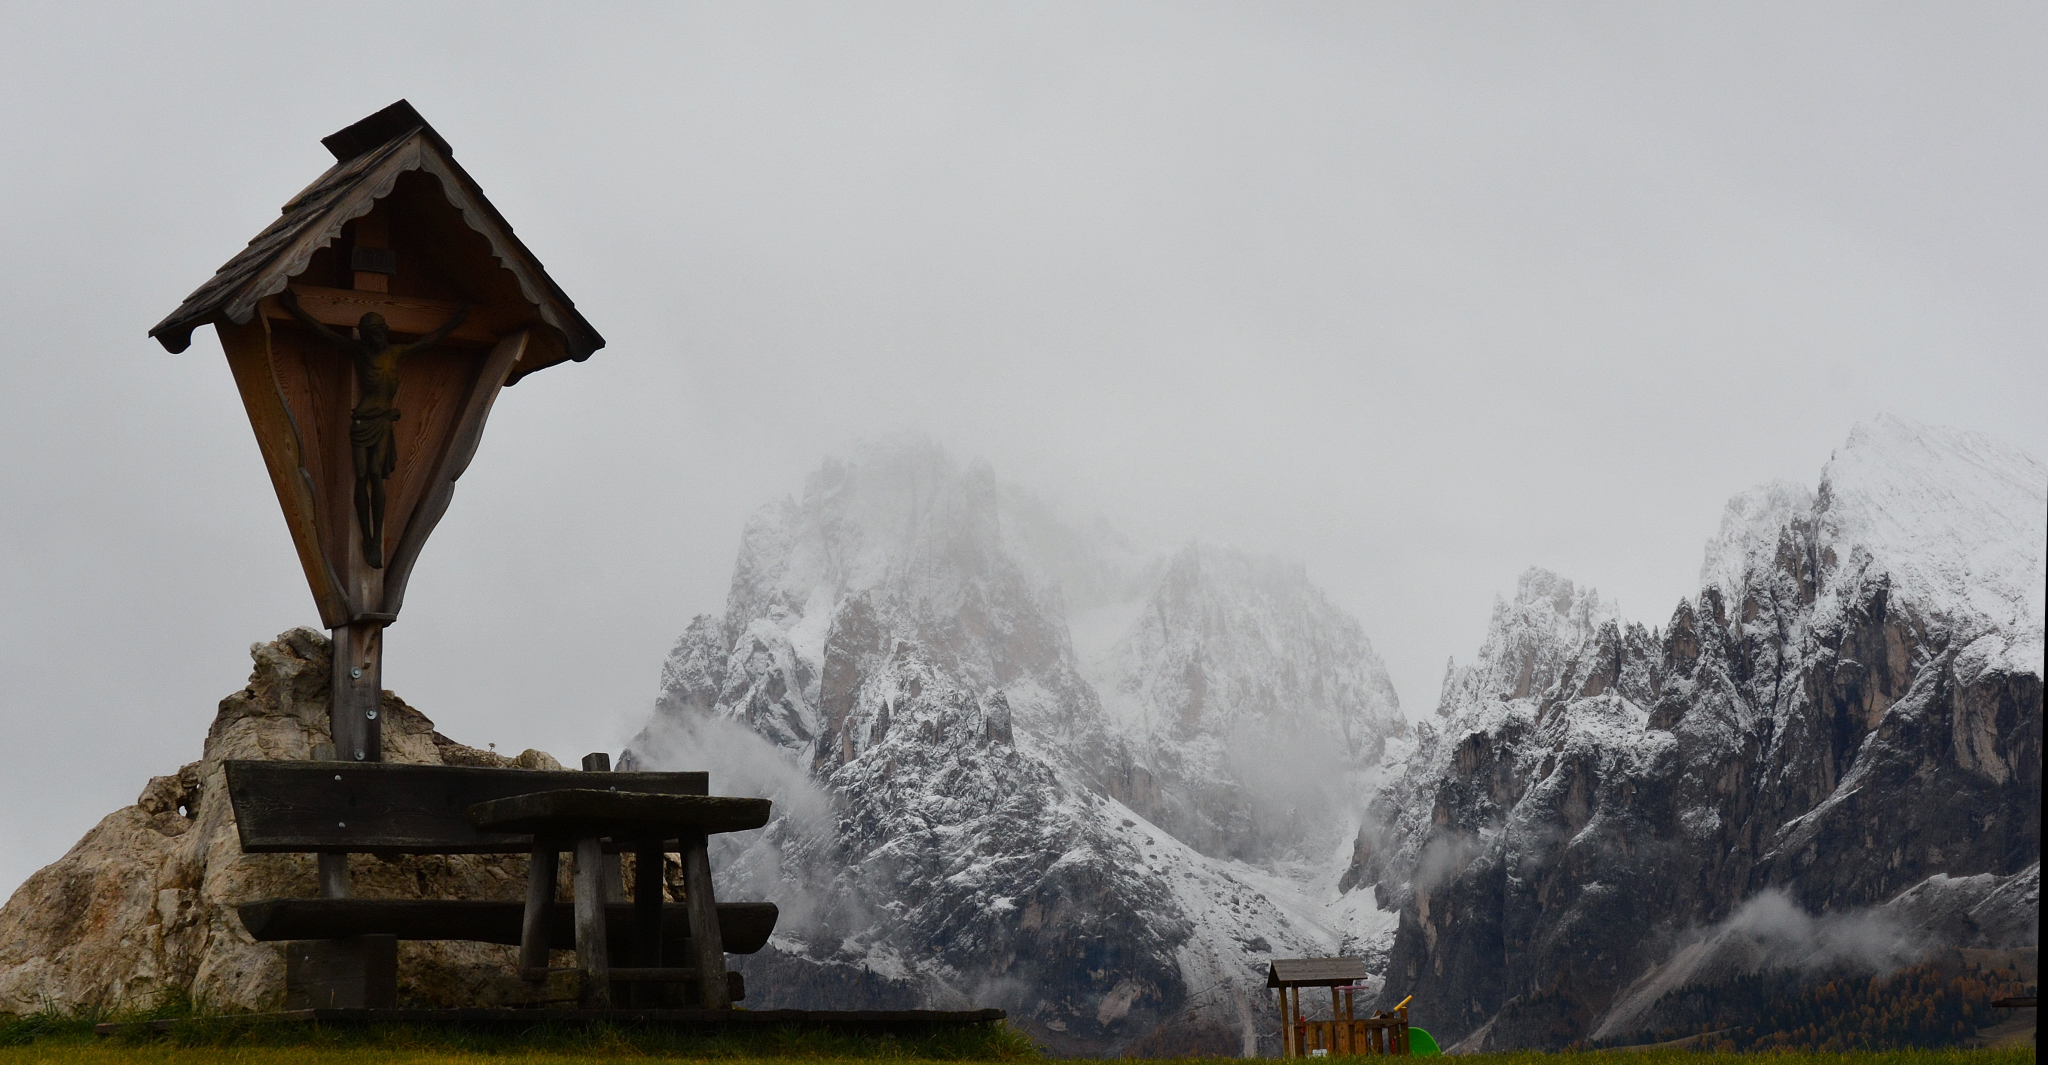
(1345, 1034)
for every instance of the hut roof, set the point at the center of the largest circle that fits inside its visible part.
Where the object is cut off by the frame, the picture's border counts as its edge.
(369, 158)
(1315, 972)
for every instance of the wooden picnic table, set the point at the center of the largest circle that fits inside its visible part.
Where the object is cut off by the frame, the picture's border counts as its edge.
(581, 820)
(342, 949)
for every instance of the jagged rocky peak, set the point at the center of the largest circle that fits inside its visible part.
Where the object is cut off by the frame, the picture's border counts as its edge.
(910, 662)
(1951, 519)
(1531, 641)
(1760, 532)
(1229, 640)
(889, 568)
(1943, 519)
(1250, 702)
(896, 512)
(1845, 717)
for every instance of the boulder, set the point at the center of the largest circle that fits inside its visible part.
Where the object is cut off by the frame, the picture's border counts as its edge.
(144, 906)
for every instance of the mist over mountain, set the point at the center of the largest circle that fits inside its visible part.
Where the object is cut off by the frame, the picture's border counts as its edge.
(1022, 761)
(1107, 838)
(1847, 716)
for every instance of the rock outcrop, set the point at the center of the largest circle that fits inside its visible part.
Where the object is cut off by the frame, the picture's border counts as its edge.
(1847, 716)
(144, 905)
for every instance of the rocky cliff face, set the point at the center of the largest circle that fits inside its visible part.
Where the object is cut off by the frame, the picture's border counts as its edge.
(1847, 715)
(965, 817)
(145, 903)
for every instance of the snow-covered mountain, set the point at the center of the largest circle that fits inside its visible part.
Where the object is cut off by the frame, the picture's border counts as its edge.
(1847, 718)
(1022, 761)
(1100, 840)
(1250, 705)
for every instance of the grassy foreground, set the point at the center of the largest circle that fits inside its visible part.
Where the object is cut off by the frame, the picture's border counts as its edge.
(58, 1038)
(69, 1040)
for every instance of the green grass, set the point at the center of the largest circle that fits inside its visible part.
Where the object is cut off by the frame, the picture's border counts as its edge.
(193, 1038)
(68, 1039)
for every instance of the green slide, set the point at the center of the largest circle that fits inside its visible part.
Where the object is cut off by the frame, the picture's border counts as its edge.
(1421, 1044)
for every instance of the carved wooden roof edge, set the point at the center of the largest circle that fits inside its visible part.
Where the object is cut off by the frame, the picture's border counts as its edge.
(348, 190)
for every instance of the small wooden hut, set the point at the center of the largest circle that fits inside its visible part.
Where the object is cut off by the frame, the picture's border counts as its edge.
(1345, 1034)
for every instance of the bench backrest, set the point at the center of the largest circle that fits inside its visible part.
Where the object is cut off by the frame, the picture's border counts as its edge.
(394, 808)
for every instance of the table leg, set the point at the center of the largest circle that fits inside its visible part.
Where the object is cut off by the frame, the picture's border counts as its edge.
(647, 898)
(540, 902)
(708, 947)
(590, 930)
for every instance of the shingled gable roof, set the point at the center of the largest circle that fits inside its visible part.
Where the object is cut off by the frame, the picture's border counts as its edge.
(369, 157)
(1315, 972)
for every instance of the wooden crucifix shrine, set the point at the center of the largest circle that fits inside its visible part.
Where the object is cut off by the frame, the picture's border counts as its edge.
(369, 328)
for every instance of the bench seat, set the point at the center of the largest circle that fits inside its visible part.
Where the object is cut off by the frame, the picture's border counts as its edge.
(744, 926)
(342, 951)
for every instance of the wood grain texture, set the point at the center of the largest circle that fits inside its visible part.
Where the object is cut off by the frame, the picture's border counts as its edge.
(317, 380)
(705, 942)
(427, 496)
(356, 692)
(432, 388)
(342, 308)
(358, 973)
(284, 450)
(744, 927)
(1315, 972)
(593, 946)
(392, 808)
(355, 188)
(536, 931)
(584, 810)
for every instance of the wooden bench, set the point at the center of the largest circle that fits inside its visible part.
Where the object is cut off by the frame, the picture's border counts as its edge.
(344, 949)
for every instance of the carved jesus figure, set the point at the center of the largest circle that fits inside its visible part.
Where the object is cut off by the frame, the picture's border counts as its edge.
(373, 441)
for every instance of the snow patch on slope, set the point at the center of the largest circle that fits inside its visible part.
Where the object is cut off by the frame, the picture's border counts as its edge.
(1957, 521)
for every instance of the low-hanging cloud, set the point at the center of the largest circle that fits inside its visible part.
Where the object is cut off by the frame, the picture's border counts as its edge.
(1769, 932)
(743, 763)
(1784, 935)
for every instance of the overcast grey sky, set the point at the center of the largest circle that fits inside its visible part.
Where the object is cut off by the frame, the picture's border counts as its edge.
(1419, 294)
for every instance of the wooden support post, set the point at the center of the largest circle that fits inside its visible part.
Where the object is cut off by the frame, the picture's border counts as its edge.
(1340, 1035)
(1287, 1022)
(358, 691)
(707, 943)
(542, 867)
(591, 949)
(333, 868)
(1286, 1041)
(591, 955)
(613, 876)
(1294, 1020)
(334, 876)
